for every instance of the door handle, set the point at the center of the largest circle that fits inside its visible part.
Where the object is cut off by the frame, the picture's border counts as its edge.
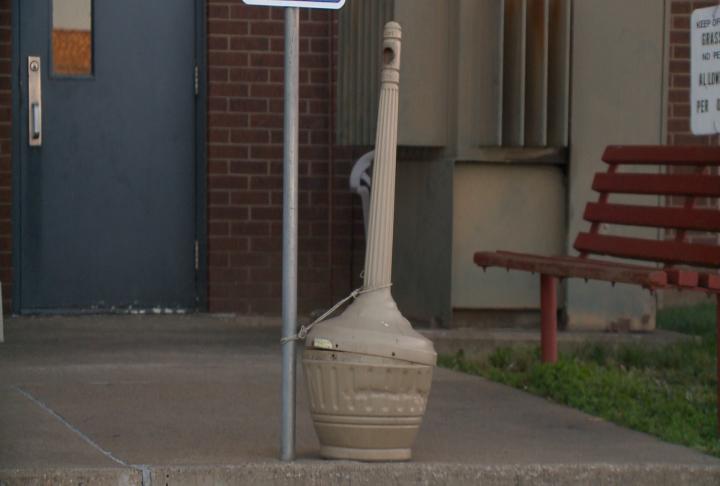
(34, 101)
(35, 114)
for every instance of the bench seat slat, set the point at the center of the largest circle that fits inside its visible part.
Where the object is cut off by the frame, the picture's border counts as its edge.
(566, 267)
(589, 261)
(654, 216)
(681, 277)
(651, 250)
(710, 281)
(697, 185)
(661, 155)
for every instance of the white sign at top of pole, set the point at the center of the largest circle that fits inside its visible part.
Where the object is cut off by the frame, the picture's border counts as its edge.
(705, 71)
(331, 4)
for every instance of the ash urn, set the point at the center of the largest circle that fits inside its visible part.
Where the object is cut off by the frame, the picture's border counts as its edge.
(367, 372)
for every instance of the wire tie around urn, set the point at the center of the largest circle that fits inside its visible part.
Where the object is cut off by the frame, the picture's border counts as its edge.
(302, 332)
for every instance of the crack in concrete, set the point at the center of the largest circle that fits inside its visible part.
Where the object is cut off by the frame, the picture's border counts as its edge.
(70, 426)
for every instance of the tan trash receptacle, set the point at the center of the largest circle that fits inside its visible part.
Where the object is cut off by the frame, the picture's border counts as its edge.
(368, 373)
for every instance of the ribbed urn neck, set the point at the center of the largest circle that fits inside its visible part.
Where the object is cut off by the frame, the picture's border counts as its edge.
(378, 253)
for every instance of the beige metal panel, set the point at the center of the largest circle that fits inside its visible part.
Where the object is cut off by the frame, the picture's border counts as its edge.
(476, 73)
(504, 207)
(423, 239)
(359, 46)
(536, 113)
(558, 103)
(514, 47)
(617, 93)
(423, 97)
(534, 72)
(424, 72)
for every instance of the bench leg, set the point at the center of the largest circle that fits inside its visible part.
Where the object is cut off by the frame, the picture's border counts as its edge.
(717, 351)
(548, 318)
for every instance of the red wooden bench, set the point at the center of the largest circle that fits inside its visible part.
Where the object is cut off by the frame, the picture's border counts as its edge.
(687, 176)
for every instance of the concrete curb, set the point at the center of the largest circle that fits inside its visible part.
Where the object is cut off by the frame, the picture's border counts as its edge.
(71, 476)
(321, 474)
(478, 344)
(339, 473)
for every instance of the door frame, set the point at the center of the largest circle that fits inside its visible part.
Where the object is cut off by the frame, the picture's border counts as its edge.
(200, 108)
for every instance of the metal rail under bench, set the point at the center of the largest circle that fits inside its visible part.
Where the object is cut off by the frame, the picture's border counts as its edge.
(689, 187)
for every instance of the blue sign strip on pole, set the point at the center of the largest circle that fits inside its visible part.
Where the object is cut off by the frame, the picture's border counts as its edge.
(329, 4)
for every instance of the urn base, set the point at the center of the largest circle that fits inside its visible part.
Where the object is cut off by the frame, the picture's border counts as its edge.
(348, 454)
(365, 408)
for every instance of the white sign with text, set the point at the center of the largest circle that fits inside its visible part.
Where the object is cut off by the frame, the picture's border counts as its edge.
(705, 71)
(329, 4)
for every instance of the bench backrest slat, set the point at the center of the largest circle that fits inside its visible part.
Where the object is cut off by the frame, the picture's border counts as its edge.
(696, 185)
(661, 155)
(688, 186)
(667, 251)
(654, 216)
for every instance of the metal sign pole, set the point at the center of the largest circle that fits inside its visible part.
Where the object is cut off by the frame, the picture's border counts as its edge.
(290, 230)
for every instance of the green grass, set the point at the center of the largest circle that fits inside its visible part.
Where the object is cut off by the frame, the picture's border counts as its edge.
(667, 391)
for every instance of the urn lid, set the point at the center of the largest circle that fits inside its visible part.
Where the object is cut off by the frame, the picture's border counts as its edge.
(373, 325)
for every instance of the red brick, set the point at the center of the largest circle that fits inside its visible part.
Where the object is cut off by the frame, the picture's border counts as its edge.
(681, 67)
(250, 136)
(680, 7)
(227, 27)
(266, 213)
(228, 213)
(250, 12)
(227, 151)
(217, 167)
(217, 198)
(249, 75)
(228, 89)
(249, 44)
(218, 12)
(679, 95)
(267, 28)
(232, 182)
(681, 22)
(250, 228)
(216, 74)
(227, 58)
(259, 183)
(248, 105)
(217, 43)
(679, 37)
(267, 121)
(242, 198)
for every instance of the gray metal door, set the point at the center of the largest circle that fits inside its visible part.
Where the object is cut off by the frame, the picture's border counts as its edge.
(107, 197)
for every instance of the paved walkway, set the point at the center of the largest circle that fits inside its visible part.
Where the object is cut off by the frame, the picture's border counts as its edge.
(195, 400)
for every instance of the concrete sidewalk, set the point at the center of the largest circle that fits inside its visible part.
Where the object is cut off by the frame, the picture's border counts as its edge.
(195, 400)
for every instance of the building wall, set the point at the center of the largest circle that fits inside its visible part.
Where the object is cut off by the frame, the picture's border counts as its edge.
(245, 119)
(678, 98)
(678, 109)
(245, 106)
(511, 208)
(500, 201)
(617, 87)
(245, 47)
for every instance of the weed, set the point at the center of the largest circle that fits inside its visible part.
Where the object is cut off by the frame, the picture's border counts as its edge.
(667, 391)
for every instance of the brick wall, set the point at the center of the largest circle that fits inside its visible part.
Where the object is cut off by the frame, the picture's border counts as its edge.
(245, 119)
(5, 149)
(678, 125)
